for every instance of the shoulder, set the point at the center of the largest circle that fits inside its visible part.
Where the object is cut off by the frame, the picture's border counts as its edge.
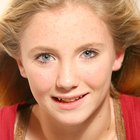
(129, 98)
(130, 102)
(11, 111)
(7, 121)
(130, 106)
(8, 110)
(131, 113)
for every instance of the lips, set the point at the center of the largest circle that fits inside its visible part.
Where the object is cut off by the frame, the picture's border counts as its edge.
(68, 99)
(66, 102)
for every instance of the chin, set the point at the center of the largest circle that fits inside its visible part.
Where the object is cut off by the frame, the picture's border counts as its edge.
(72, 119)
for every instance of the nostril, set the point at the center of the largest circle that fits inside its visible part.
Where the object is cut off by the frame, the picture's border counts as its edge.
(65, 89)
(67, 84)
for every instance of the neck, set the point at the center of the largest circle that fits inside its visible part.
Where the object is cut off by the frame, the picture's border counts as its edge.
(101, 121)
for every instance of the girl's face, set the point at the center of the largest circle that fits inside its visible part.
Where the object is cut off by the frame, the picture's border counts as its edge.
(68, 57)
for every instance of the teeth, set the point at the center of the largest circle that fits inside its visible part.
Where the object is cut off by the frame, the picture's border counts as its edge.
(69, 100)
(59, 99)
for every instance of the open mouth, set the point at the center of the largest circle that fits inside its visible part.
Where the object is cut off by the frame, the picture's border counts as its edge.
(68, 100)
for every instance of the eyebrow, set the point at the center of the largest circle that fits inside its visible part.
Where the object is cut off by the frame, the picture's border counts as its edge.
(45, 48)
(41, 48)
(89, 45)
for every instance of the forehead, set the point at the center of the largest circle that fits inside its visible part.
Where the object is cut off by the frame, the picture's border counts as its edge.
(69, 23)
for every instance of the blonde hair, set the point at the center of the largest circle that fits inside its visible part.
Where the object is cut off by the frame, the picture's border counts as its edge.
(121, 17)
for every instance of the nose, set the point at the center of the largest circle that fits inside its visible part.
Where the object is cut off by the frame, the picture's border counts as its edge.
(67, 78)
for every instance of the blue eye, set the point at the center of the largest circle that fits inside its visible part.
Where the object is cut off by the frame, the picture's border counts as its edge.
(45, 58)
(89, 53)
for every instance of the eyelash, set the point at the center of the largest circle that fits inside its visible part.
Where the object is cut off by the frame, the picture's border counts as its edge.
(46, 57)
(93, 53)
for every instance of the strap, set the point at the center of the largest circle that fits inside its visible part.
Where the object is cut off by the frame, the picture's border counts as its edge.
(119, 122)
(23, 121)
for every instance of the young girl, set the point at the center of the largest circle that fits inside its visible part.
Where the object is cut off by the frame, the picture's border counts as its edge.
(66, 67)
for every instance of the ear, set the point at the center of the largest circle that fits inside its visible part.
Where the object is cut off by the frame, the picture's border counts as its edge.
(118, 60)
(21, 67)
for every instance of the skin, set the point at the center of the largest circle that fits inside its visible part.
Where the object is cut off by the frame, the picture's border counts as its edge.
(80, 57)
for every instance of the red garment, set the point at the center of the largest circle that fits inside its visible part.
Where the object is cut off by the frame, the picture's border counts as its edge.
(130, 109)
(7, 121)
(131, 114)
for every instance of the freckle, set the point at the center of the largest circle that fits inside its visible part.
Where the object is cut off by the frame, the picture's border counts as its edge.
(108, 128)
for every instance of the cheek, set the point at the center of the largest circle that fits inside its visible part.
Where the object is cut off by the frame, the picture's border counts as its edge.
(97, 76)
(40, 81)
